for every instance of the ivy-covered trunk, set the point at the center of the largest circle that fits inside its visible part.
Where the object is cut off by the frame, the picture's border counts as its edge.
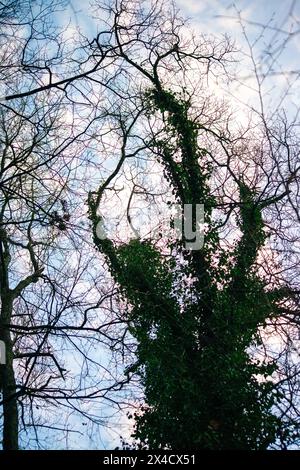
(201, 385)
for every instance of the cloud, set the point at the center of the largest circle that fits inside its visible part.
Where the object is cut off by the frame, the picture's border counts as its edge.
(192, 6)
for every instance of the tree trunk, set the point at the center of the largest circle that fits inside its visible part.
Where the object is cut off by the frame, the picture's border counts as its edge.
(7, 380)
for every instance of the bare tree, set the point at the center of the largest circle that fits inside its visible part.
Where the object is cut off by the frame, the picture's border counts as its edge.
(51, 287)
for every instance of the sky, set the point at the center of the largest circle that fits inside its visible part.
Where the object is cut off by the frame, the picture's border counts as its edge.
(267, 25)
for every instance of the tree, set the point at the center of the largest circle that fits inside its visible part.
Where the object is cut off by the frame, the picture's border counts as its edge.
(202, 386)
(193, 328)
(47, 268)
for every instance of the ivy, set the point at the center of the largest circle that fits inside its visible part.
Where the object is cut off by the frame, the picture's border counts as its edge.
(201, 385)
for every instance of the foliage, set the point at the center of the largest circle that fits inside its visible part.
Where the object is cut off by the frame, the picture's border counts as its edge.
(202, 388)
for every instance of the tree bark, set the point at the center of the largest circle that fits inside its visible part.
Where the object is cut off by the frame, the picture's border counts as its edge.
(7, 380)
(7, 375)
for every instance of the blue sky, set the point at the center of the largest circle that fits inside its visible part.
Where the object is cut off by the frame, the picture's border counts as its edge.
(268, 25)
